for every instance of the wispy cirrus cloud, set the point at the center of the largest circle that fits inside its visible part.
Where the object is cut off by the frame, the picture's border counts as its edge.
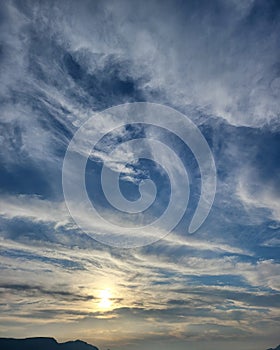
(216, 62)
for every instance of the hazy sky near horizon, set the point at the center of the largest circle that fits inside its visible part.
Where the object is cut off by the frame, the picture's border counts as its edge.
(215, 61)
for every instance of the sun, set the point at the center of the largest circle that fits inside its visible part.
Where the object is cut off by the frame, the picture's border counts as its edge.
(105, 299)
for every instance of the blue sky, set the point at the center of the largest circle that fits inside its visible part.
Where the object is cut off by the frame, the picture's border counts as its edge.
(216, 62)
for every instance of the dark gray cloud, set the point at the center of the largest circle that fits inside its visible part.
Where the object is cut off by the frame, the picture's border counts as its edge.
(38, 291)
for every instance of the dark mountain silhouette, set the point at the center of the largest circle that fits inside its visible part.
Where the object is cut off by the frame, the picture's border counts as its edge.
(43, 344)
(50, 344)
(277, 348)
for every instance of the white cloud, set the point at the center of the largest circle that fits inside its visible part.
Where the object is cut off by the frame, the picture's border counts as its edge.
(255, 195)
(33, 208)
(225, 72)
(37, 209)
(229, 73)
(273, 242)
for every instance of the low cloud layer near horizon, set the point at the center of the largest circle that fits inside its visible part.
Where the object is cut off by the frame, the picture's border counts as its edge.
(218, 63)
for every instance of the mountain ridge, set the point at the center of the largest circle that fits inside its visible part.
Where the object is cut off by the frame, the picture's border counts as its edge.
(277, 348)
(49, 343)
(43, 343)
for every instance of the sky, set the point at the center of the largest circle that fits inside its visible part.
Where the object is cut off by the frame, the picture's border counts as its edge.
(69, 275)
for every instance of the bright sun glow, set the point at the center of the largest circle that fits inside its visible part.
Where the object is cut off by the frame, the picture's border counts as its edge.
(105, 299)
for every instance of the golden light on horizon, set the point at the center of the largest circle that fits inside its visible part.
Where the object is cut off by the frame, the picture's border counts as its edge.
(105, 296)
